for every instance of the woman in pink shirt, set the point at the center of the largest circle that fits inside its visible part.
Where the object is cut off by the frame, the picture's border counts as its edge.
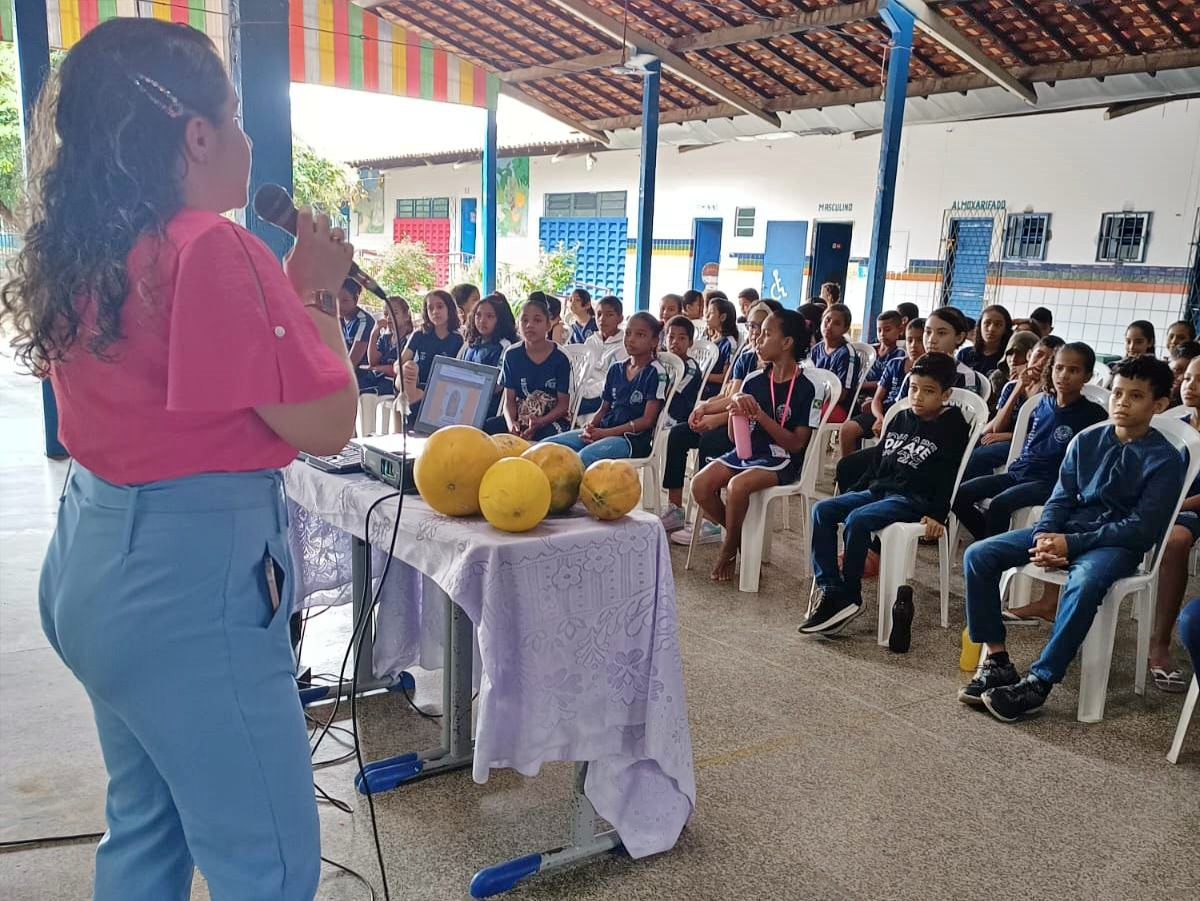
(189, 367)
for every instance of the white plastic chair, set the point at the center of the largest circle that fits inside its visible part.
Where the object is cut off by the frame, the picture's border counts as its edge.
(757, 531)
(866, 359)
(650, 465)
(1098, 394)
(1185, 717)
(898, 542)
(368, 410)
(582, 358)
(1095, 657)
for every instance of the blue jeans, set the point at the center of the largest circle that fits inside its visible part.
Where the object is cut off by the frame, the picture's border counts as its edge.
(863, 512)
(1089, 577)
(985, 459)
(1006, 494)
(613, 448)
(1189, 631)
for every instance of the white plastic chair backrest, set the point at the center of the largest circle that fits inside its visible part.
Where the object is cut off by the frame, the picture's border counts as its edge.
(1179, 411)
(699, 345)
(1187, 441)
(582, 358)
(827, 391)
(985, 387)
(866, 359)
(974, 410)
(1099, 395)
(1021, 427)
(706, 359)
(674, 367)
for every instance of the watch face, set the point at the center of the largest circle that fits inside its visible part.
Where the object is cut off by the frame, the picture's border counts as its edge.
(325, 301)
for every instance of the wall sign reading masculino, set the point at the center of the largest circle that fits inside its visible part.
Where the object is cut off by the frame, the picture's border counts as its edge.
(978, 205)
(835, 208)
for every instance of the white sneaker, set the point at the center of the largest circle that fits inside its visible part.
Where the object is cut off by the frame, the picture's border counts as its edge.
(672, 518)
(710, 533)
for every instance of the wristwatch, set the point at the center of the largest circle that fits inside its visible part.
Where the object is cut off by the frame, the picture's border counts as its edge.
(325, 301)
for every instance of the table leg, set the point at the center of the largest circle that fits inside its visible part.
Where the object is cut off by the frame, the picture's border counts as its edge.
(457, 750)
(586, 843)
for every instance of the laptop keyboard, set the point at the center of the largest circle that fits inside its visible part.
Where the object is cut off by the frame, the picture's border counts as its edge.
(348, 459)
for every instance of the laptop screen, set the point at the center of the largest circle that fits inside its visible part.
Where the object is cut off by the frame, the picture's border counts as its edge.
(457, 393)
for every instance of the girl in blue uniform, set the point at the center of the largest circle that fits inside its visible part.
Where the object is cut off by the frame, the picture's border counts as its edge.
(584, 325)
(491, 330)
(720, 327)
(779, 402)
(536, 378)
(438, 336)
(387, 339)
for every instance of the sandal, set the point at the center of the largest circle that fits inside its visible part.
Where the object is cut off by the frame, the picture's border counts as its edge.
(1011, 619)
(1171, 682)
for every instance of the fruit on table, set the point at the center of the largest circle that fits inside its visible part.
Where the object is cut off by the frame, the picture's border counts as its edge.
(510, 445)
(514, 494)
(610, 489)
(450, 468)
(563, 468)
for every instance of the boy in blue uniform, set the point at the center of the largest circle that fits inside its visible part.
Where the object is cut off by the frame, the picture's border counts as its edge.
(910, 480)
(1061, 414)
(680, 334)
(891, 358)
(357, 325)
(634, 392)
(1115, 495)
(835, 354)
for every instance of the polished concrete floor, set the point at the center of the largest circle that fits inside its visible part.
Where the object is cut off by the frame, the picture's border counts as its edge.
(826, 769)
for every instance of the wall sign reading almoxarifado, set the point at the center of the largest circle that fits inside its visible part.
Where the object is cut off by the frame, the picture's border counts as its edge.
(978, 205)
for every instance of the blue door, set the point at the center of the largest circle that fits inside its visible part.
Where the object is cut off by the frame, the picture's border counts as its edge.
(466, 226)
(830, 255)
(964, 278)
(706, 248)
(783, 262)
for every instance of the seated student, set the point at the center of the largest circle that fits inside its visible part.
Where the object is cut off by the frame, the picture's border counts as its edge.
(584, 325)
(693, 305)
(747, 298)
(670, 306)
(1173, 570)
(1016, 353)
(720, 327)
(813, 312)
(1179, 332)
(634, 393)
(889, 330)
(438, 336)
(887, 389)
(357, 325)
(996, 440)
(536, 377)
(834, 353)
(908, 311)
(558, 330)
(465, 297)
(1139, 340)
(609, 339)
(778, 401)
(489, 332)
(1042, 320)
(706, 431)
(680, 335)
(387, 339)
(1062, 412)
(1181, 355)
(1116, 489)
(993, 330)
(910, 480)
(831, 293)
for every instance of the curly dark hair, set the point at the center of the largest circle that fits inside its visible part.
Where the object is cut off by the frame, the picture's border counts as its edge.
(105, 169)
(506, 326)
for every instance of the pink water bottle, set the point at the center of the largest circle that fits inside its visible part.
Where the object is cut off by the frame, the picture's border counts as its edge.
(741, 435)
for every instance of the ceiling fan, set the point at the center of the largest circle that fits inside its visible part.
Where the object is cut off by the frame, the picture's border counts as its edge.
(639, 63)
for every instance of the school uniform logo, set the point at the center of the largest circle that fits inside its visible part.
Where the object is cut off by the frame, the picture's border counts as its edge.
(635, 397)
(1063, 434)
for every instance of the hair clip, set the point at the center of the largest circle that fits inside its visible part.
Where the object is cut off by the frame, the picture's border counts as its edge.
(160, 96)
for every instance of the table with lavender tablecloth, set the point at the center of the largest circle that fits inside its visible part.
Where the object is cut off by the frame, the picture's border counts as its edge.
(576, 631)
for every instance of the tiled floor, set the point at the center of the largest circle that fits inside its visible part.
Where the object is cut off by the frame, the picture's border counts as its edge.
(826, 769)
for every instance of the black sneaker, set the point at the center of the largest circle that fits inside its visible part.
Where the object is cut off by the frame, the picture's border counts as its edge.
(831, 614)
(1011, 702)
(902, 617)
(988, 675)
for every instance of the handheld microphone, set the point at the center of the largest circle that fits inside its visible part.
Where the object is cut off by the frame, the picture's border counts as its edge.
(273, 204)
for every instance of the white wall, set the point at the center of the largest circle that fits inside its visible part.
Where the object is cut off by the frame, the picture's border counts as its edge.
(1074, 166)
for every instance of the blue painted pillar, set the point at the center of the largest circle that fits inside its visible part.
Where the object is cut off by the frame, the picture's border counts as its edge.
(645, 225)
(33, 64)
(488, 229)
(262, 75)
(900, 23)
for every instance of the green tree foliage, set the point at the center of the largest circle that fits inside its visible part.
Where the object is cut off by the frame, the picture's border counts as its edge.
(12, 170)
(322, 182)
(405, 269)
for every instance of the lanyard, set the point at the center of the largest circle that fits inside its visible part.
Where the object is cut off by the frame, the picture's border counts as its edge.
(787, 401)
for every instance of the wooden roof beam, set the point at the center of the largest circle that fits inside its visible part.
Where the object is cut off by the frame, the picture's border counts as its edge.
(825, 17)
(591, 131)
(574, 65)
(672, 62)
(930, 21)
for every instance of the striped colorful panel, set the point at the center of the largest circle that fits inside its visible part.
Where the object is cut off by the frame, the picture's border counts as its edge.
(69, 20)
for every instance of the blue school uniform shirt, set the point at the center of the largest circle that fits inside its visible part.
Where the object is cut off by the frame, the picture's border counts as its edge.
(1051, 429)
(802, 409)
(893, 381)
(357, 328)
(1005, 393)
(875, 373)
(627, 399)
(967, 378)
(427, 345)
(685, 393)
(388, 348)
(725, 346)
(841, 361)
(580, 333)
(1111, 494)
(487, 353)
(746, 363)
(984, 364)
(524, 377)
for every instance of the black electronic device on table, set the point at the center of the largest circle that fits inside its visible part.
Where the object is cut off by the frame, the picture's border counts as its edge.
(457, 393)
(344, 462)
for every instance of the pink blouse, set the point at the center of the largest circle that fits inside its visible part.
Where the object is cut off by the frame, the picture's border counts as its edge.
(211, 329)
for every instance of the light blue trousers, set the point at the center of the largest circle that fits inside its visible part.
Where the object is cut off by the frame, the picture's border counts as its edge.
(157, 599)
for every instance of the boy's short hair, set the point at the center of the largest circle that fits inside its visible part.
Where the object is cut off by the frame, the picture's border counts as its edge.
(352, 287)
(842, 310)
(682, 322)
(1089, 356)
(890, 316)
(918, 324)
(651, 322)
(908, 310)
(613, 303)
(1148, 368)
(1188, 350)
(672, 297)
(1051, 342)
(1042, 316)
(939, 367)
(833, 289)
(749, 294)
(770, 303)
(715, 293)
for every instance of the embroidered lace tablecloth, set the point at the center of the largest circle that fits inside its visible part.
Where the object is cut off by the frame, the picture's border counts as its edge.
(576, 633)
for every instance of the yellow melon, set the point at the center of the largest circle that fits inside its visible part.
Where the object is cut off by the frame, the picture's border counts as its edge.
(450, 468)
(514, 495)
(610, 489)
(510, 445)
(563, 468)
